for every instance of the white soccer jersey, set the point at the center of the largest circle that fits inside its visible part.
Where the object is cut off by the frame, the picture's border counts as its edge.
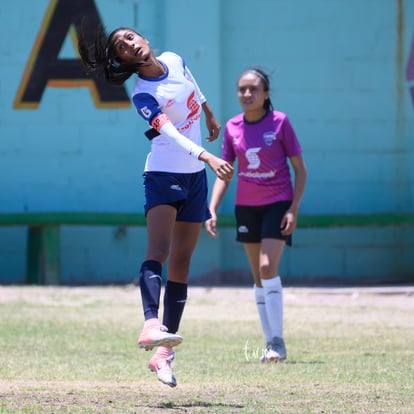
(176, 94)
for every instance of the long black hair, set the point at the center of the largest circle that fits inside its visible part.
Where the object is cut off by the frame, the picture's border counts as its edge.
(264, 78)
(99, 56)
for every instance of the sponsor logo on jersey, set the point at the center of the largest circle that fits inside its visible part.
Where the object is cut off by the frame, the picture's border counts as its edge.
(189, 123)
(253, 158)
(194, 114)
(256, 174)
(192, 105)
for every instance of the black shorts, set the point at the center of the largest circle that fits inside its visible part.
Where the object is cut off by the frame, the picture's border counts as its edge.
(255, 223)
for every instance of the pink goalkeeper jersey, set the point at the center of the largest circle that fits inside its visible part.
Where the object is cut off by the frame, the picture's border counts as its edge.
(262, 150)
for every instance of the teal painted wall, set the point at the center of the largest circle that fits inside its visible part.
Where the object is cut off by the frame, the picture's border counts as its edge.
(342, 70)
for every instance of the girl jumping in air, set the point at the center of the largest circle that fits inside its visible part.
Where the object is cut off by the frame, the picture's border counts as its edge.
(167, 96)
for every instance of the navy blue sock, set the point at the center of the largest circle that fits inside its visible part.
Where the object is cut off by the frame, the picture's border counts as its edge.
(150, 284)
(175, 298)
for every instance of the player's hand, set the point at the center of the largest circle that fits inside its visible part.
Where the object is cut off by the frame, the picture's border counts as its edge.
(213, 128)
(212, 124)
(288, 224)
(211, 225)
(223, 169)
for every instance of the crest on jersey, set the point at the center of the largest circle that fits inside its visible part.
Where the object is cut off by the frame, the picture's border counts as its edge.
(269, 137)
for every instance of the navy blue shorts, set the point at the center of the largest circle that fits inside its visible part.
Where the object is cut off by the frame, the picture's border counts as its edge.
(186, 192)
(255, 223)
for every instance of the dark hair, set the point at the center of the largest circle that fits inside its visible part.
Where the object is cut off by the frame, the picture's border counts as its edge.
(264, 78)
(99, 56)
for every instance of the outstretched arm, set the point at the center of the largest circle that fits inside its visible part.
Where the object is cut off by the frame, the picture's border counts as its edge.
(222, 169)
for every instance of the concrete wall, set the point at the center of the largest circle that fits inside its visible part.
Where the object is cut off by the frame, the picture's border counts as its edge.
(342, 70)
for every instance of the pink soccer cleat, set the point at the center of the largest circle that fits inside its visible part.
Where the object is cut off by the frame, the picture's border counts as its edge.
(160, 363)
(155, 334)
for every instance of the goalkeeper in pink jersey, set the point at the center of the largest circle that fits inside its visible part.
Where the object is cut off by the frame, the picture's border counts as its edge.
(167, 96)
(262, 141)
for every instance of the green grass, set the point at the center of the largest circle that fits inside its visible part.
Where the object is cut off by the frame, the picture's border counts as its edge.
(73, 350)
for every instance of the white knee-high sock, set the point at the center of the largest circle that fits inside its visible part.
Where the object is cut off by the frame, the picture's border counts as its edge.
(261, 308)
(274, 305)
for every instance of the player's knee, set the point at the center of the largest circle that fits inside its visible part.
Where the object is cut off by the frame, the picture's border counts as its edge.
(267, 271)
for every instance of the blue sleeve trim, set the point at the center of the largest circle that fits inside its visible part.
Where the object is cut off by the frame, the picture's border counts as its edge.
(146, 106)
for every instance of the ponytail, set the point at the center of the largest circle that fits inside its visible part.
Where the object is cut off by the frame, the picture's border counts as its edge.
(99, 57)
